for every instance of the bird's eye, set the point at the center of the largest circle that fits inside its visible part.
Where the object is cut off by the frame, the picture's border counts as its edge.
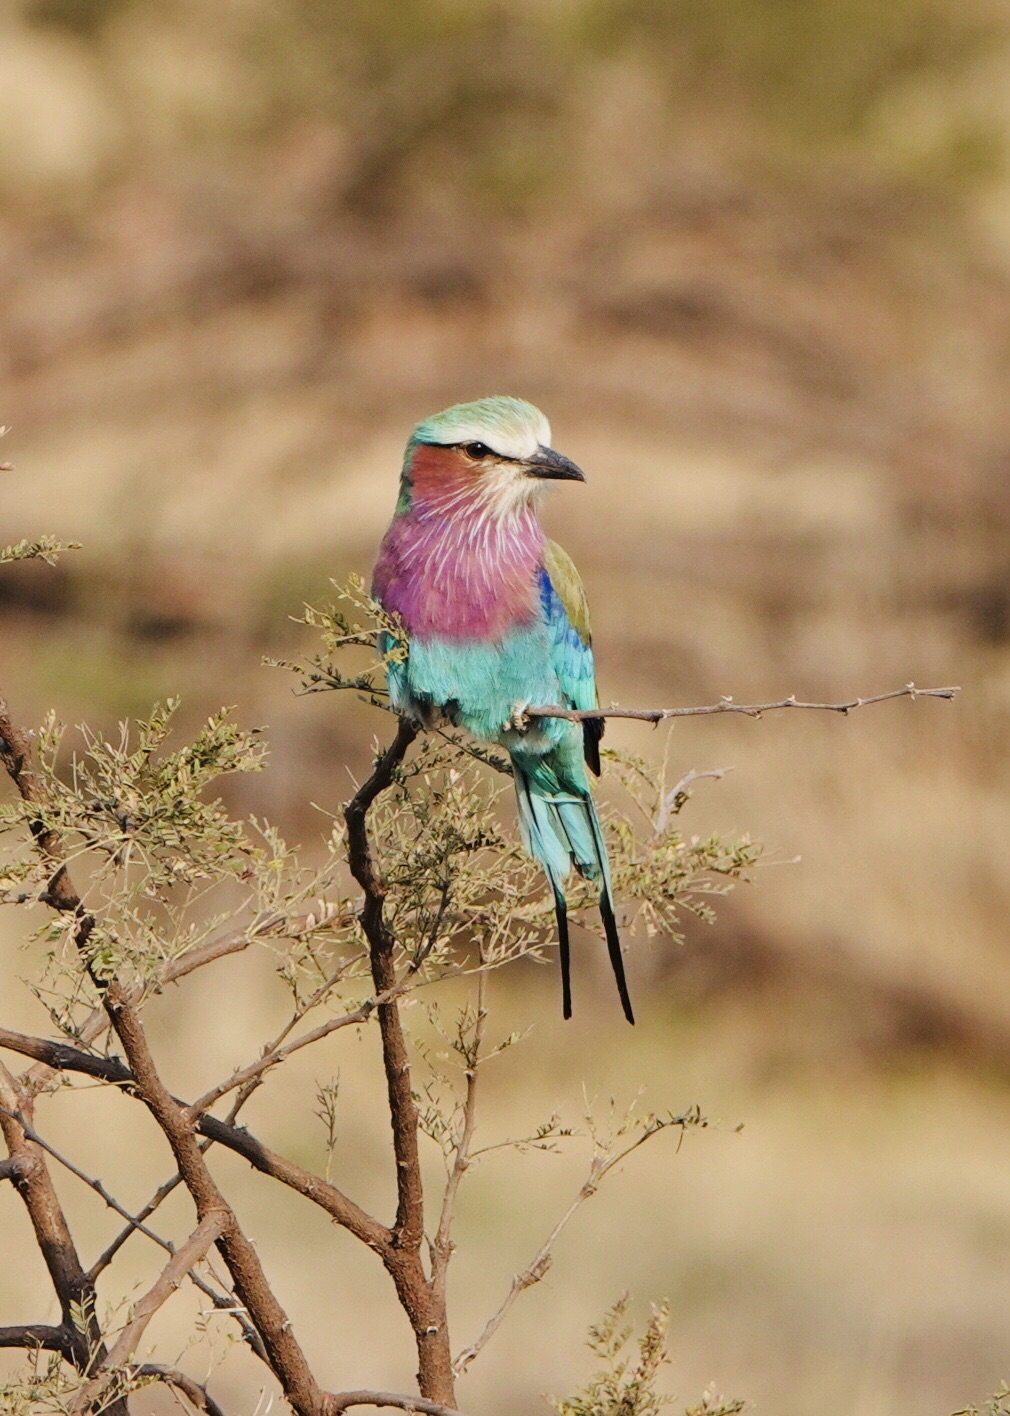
(476, 450)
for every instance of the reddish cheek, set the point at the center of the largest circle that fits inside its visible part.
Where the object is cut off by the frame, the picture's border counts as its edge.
(437, 470)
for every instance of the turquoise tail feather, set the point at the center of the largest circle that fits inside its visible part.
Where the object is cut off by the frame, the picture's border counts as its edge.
(560, 828)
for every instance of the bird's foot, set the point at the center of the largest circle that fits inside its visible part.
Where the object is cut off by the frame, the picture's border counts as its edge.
(518, 719)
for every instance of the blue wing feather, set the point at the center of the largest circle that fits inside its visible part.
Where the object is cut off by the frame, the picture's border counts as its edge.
(571, 655)
(572, 659)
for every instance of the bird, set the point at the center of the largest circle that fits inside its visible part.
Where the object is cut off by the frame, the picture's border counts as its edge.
(495, 620)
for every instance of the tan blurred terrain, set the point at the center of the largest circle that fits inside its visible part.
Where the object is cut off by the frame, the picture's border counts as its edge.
(757, 273)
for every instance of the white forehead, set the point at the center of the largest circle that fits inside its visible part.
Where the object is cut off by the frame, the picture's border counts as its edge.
(509, 426)
(517, 441)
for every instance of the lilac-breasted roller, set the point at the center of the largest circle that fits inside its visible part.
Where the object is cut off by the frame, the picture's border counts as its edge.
(496, 620)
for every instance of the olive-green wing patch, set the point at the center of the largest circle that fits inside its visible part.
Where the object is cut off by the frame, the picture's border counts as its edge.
(569, 588)
(571, 643)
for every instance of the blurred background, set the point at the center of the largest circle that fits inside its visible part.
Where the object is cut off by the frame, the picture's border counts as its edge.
(753, 260)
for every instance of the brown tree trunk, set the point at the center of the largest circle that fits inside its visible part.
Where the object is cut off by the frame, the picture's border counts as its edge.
(428, 1317)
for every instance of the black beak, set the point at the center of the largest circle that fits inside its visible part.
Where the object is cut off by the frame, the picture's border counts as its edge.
(551, 466)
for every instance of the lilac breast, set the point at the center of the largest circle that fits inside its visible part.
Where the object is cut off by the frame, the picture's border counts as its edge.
(465, 578)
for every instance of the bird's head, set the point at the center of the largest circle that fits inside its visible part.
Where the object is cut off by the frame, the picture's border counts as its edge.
(493, 455)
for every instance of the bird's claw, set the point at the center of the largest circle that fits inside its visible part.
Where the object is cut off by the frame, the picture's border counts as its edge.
(518, 719)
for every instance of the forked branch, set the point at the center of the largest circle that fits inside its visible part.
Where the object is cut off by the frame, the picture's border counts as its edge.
(79, 1337)
(422, 1298)
(604, 1160)
(408, 1226)
(441, 1248)
(207, 1232)
(59, 1056)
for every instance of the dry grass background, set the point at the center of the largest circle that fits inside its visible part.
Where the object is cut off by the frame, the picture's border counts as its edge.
(758, 275)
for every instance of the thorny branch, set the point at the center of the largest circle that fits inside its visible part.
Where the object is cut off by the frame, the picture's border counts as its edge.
(52, 1057)
(286, 1356)
(408, 1225)
(727, 705)
(399, 1247)
(135, 1224)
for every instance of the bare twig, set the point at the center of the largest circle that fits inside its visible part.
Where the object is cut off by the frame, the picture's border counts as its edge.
(196, 1394)
(673, 799)
(274, 1054)
(248, 1086)
(601, 1164)
(727, 705)
(135, 1224)
(344, 1400)
(534, 1271)
(441, 1248)
(269, 1059)
(88, 1180)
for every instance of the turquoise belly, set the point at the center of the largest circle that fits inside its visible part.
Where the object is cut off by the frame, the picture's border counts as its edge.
(479, 685)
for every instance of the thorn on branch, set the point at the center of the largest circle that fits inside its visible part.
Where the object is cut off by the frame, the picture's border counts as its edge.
(727, 705)
(12, 1168)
